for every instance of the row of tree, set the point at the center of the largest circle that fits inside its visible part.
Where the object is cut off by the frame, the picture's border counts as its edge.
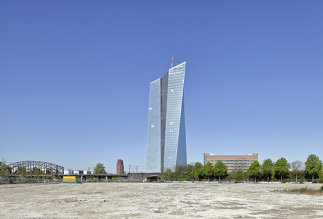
(267, 171)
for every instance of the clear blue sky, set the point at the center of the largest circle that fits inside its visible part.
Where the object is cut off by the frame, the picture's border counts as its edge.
(74, 78)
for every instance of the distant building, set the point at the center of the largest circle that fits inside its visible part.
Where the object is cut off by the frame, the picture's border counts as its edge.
(120, 167)
(87, 172)
(14, 169)
(45, 171)
(166, 142)
(233, 162)
(78, 172)
(68, 172)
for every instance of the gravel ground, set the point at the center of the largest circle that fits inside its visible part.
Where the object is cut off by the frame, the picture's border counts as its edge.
(157, 200)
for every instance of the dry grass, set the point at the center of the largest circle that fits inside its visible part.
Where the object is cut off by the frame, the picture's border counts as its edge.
(305, 190)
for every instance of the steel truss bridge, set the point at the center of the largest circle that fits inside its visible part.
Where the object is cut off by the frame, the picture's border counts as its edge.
(44, 167)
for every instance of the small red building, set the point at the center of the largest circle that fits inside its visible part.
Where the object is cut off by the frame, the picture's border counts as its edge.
(120, 167)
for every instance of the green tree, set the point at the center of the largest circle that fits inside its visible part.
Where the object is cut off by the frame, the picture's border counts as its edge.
(52, 175)
(6, 173)
(296, 168)
(267, 169)
(254, 172)
(99, 169)
(179, 171)
(321, 177)
(219, 170)
(36, 173)
(313, 166)
(187, 174)
(58, 175)
(232, 176)
(3, 167)
(281, 169)
(207, 170)
(22, 171)
(239, 175)
(198, 171)
(167, 174)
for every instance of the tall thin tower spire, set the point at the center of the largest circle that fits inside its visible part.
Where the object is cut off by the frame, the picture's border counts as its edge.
(172, 63)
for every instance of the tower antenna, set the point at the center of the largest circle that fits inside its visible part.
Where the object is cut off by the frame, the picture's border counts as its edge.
(172, 63)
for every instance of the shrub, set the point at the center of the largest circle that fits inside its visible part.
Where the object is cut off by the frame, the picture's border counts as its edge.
(321, 177)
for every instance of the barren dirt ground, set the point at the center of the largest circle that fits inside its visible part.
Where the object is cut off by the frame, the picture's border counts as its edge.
(157, 200)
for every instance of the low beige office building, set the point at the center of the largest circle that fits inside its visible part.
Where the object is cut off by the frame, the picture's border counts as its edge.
(233, 162)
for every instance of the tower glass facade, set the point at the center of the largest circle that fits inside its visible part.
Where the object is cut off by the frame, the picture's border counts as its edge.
(166, 142)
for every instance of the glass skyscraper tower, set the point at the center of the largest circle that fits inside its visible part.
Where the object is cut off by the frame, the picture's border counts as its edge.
(166, 143)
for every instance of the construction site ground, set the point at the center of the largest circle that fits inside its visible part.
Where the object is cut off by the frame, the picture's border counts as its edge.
(158, 200)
